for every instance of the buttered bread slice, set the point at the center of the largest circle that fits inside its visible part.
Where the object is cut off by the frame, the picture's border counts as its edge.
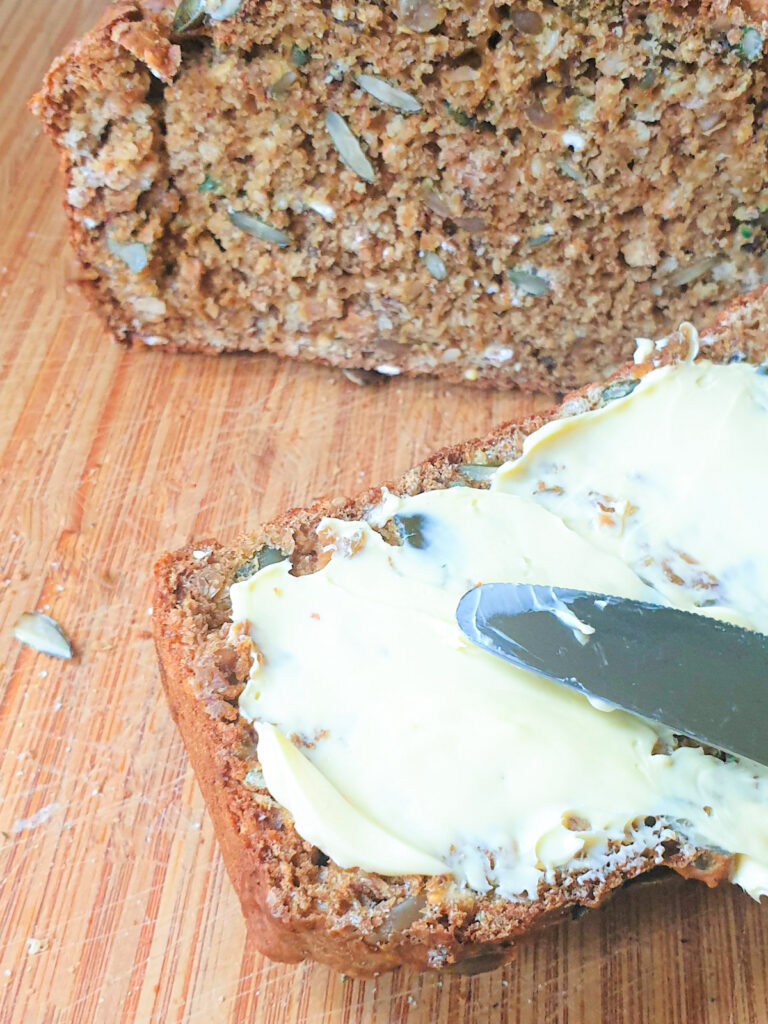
(385, 793)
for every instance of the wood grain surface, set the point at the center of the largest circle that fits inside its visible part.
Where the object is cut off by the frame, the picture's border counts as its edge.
(114, 905)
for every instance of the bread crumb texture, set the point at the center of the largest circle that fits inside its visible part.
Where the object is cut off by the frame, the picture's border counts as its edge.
(480, 192)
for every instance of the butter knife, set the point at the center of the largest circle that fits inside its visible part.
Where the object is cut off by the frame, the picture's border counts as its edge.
(699, 677)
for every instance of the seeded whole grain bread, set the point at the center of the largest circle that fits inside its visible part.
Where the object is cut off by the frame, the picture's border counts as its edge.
(297, 903)
(503, 184)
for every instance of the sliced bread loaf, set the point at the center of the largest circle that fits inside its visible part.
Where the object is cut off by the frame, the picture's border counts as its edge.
(479, 192)
(328, 731)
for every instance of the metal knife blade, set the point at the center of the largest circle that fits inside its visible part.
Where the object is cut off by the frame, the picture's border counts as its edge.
(700, 677)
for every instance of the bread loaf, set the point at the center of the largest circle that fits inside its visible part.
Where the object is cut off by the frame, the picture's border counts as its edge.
(478, 192)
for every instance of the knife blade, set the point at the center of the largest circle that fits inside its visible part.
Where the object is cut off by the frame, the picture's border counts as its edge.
(698, 676)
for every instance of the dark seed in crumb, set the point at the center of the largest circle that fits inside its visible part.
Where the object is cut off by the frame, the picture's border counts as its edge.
(299, 57)
(189, 15)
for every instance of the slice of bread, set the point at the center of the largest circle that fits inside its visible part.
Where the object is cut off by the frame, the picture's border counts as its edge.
(479, 192)
(299, 903)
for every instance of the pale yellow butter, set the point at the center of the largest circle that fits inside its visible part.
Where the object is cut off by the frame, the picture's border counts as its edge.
(416, 752)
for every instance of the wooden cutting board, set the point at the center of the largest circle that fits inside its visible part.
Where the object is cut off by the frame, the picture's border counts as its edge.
(114, 904)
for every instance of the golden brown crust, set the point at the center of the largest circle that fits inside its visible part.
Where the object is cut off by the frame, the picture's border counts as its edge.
(296, 903)
(588, 151)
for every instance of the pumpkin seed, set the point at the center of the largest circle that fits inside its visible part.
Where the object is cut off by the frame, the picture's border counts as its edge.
(209, 184)
(253, 225)
(531, 284)
(461, 117)
(567, 168)
(299, 57)
(620, 389)
(43, 634)
(477, 473)
(412, 530)
(750, 46)
(279, 90)
(270, 556)
(388, 94)
(348, 147)
(684, 275)
(434, 265)
(133, 254)
(254, 779)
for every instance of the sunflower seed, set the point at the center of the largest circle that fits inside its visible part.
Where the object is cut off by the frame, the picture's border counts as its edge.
(348, 147)
(434, 265)
(541, 239)
(258, 228)
(527, 282)
(133, 254)
(189, 15)
(42, 633)
(388, 94)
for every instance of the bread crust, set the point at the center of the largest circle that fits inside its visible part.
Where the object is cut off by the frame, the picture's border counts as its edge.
(298, 904)
(121, 106)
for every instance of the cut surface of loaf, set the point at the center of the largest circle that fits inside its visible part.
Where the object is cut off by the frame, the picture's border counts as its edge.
(413, 186)
(309, 885)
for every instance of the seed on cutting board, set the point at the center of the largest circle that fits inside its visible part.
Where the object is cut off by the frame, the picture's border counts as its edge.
(43, 634)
